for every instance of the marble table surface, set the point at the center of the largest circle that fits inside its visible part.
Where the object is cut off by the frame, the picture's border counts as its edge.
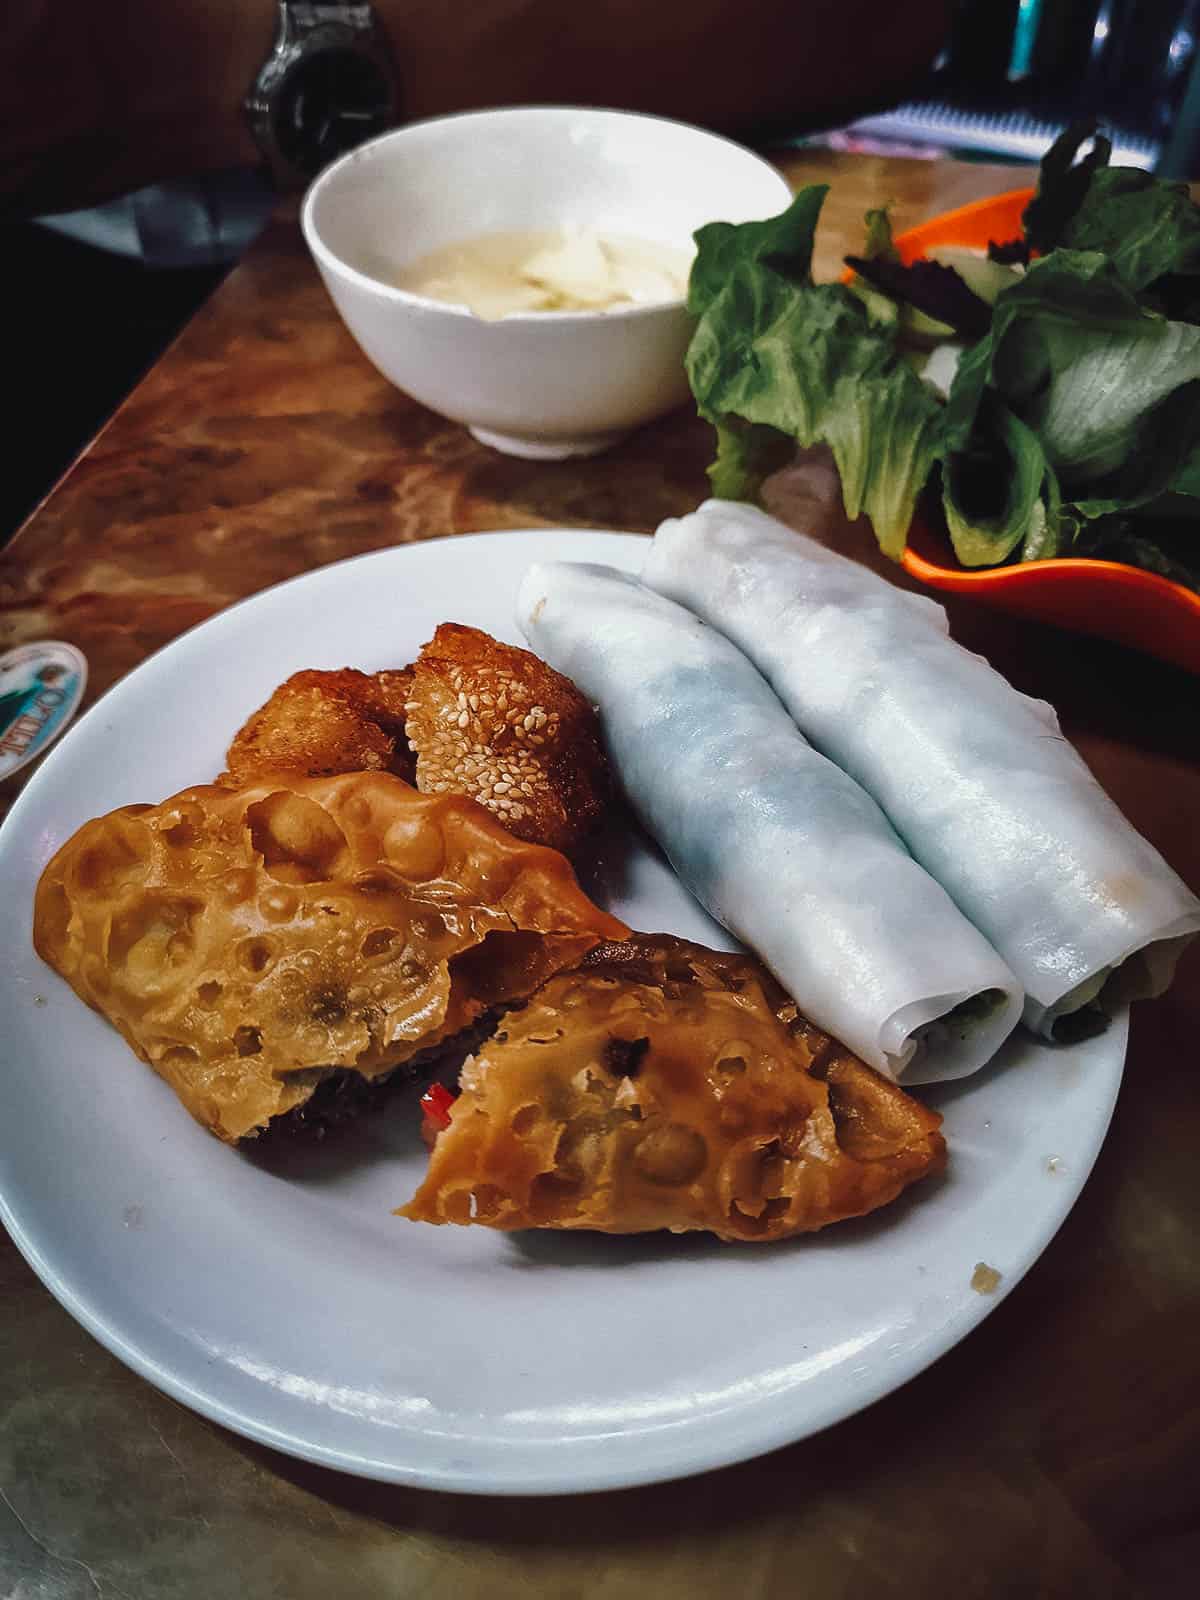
(1055, 1452)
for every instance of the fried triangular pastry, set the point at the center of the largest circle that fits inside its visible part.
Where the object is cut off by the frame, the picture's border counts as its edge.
(249, 942)
(663, 1085)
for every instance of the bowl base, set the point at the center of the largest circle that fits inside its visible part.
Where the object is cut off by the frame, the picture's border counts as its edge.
(531, 448)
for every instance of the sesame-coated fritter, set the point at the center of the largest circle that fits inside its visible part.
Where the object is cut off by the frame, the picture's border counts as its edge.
(496, 723)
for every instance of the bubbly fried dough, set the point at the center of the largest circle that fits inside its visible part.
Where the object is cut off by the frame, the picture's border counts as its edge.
(496, 723)
(317, 724)
(663, 1085)
(247, 943)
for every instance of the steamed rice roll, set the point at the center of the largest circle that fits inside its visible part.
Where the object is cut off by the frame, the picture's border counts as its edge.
(975, 777)
(785, 850)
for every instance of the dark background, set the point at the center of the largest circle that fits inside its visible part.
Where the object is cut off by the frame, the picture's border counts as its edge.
(87, 323)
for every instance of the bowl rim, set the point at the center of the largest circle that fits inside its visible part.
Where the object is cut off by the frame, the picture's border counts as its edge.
(1025, 574)
(329, 258)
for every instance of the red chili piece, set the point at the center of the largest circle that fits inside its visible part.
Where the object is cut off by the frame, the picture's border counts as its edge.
(436, 1103)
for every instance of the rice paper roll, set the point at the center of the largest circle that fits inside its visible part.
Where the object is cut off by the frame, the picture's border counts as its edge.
(977, 778)
(784, 849)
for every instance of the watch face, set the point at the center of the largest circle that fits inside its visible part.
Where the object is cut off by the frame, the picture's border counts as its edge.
(328, 103)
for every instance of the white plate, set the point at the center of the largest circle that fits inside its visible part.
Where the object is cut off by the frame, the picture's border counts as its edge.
(283, 1299)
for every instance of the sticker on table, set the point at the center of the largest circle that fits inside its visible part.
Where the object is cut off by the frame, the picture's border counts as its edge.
(41, 686)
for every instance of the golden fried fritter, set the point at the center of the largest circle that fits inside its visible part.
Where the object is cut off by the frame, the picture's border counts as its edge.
(318, 724)
(496, 723)
(484, 719)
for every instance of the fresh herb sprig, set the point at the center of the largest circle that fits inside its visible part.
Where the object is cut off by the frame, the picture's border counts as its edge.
(1072, 425)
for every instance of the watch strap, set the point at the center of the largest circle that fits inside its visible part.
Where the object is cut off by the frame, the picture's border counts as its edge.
(305, 28)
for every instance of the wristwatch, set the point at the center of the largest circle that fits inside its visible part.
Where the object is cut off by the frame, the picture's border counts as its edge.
(329, 83)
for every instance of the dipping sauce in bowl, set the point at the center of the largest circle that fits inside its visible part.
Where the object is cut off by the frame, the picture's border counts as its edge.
(565, 269)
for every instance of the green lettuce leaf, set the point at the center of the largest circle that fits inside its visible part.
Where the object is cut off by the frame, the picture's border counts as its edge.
(1050, 527)
(1161, 445)
(783, 244)
(1080, 404)
(775, 351)
(1072, 425)
(1106, 385)
(992, 488)
(747, 454)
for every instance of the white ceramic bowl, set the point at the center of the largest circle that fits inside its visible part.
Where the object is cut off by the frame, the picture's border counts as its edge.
(538, 384)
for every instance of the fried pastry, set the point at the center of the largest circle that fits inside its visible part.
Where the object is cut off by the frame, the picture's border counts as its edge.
(247, 943)
(317, 724)
(663, 1085)
(494, 722)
